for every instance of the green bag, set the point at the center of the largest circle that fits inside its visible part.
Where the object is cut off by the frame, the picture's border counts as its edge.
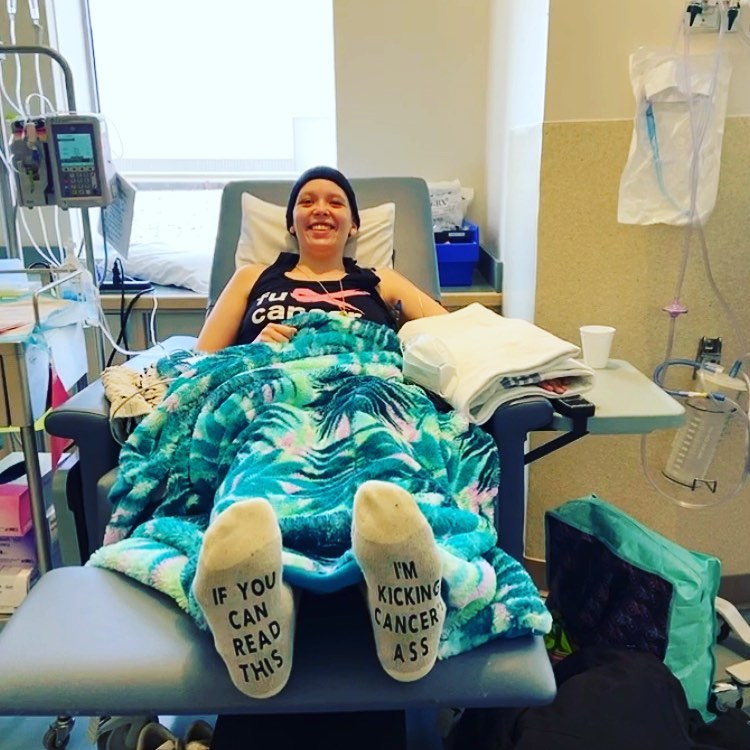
(613, 581)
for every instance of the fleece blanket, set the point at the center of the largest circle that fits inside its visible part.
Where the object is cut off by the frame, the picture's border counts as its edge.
(302, 425)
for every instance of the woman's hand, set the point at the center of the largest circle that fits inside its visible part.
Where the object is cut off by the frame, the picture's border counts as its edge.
(276, 332)
(555, 385)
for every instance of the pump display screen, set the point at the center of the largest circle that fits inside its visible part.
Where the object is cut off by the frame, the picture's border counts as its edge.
(76, 150)
(76, 157)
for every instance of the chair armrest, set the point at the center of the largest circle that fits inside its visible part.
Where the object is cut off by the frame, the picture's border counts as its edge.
(84, 418)
(104, 485)
(510, 426)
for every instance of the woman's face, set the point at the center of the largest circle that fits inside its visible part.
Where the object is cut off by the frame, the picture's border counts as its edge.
(322, 216)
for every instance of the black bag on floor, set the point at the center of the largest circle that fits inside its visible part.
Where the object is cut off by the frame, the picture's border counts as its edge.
(608, 699)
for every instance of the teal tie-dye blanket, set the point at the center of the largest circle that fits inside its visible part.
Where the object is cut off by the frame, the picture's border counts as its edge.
(302, 425)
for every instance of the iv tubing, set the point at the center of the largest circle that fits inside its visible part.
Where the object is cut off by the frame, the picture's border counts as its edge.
(12, 24)
(32, 49)
(697, 136)
(698, 131)
(47, 258)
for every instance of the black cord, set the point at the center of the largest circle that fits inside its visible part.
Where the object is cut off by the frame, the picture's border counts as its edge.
(118, 277)
(133, 300)
(124, 317)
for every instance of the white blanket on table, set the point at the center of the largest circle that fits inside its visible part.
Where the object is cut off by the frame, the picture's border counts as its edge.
(494, 359)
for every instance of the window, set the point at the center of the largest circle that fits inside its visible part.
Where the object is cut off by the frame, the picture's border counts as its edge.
(196, 93)
(215, 89)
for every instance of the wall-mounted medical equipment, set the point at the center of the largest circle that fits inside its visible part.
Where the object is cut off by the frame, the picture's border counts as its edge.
(63, 160)
(707, 416)
(709, 15)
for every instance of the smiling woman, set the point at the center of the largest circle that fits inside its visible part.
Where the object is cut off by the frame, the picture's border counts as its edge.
(322, 214)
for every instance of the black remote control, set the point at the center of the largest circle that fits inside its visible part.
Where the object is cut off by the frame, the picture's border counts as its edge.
(574, 406)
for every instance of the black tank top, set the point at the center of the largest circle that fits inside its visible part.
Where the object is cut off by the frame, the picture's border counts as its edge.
(275, 297)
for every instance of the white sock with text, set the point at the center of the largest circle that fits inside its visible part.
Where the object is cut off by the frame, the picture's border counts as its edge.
(395, 547)
(249, 609)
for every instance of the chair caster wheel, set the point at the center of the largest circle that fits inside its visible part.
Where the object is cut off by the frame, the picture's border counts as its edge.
(57, 736)
(725, 696)
(120, 732)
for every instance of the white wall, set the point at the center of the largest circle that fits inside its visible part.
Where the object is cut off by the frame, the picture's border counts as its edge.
(590, 43)
(411, 82)
(515, 112)
(447, 90)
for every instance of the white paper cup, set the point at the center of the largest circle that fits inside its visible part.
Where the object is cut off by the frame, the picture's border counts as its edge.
(596, 341)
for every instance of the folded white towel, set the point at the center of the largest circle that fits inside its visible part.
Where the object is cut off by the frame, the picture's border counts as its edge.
(494, 359)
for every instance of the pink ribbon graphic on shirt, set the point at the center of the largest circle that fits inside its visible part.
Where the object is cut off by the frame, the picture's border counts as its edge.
(338, 299)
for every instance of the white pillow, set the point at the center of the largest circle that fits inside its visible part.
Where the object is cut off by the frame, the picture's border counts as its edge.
(160, 263)
(264, 235)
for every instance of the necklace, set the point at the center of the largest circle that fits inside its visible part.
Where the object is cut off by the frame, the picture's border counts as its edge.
(334, 298)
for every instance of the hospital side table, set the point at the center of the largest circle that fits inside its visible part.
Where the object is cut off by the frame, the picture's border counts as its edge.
(626, 402)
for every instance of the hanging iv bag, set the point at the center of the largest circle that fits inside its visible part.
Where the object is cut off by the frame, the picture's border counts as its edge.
(680, 110)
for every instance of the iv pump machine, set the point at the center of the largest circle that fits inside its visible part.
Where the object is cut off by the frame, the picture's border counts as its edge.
(63, 160)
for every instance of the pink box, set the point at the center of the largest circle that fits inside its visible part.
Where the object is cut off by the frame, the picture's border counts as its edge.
(15, 509)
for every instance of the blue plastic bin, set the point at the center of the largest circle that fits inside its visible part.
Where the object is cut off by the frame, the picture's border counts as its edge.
(457, 254)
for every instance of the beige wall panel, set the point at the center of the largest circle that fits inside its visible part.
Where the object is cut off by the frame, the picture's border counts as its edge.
(593, 270)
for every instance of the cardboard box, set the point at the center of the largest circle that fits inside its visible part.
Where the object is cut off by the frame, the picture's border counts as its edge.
(15, 583)
(21, 550)
(18, 550)
(15, 509)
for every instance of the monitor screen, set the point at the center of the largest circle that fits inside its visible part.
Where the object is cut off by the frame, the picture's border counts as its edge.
(76, 150)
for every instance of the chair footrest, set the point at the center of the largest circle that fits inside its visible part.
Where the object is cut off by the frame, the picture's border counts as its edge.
(88, 641)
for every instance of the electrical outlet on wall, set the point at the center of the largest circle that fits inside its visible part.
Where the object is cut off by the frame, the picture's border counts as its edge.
(709, 350)
(707, 17)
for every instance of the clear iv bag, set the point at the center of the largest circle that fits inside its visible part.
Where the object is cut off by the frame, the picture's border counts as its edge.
(680, 111)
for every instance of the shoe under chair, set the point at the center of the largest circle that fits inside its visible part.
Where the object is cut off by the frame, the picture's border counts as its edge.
(155, 736)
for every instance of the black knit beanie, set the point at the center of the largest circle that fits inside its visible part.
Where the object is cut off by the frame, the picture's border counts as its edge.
(322, 173)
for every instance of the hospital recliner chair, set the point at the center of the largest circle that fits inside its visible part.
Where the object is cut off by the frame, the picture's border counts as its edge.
(91, 642)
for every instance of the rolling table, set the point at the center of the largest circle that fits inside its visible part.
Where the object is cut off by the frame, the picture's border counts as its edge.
(626, 402)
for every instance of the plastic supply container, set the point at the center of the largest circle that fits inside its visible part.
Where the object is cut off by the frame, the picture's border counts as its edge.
(457, 255)
(698, 439)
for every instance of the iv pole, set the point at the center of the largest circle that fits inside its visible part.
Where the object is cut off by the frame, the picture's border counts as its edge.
(96, 359)
(93, 339)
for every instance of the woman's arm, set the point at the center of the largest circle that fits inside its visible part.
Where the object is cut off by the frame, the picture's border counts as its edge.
(398, 291)
(224, 321)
